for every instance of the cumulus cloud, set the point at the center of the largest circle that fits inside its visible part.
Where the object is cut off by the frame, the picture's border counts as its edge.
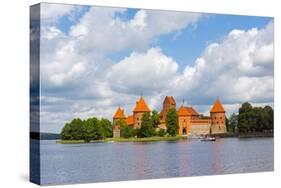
(146, 73)
(239, 68)
(80, 80)
(101, 29)
(52, 12)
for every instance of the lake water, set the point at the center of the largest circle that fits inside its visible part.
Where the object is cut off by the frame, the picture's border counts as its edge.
(96, 162)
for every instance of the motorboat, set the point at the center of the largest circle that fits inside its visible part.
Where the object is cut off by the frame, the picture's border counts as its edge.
(208, 138)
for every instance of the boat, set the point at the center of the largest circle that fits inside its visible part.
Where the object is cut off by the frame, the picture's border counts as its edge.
(208, 139)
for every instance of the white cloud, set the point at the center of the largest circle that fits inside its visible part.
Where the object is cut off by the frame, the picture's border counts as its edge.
(52, 12)
(79, 80)
(239, 68)
(145, 73)
(101, 29)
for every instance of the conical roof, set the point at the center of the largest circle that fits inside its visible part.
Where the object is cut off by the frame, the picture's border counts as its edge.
(119, 114)
(217, 107)
(170, 100)
(141, 106)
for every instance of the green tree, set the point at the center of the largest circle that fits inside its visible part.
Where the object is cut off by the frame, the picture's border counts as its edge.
(155, 118)
(161, 132)
(254, 119)
(77, 129)
(89, 130)
(172, 122)
(97, 128)
(245, 118)
(269, 117)
(146, 129)
(128, 132)
(105, 128)
(66, 132)
(233, 122)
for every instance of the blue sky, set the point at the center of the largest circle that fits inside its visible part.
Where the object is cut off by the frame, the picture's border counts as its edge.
(96, 58)
(184, 46)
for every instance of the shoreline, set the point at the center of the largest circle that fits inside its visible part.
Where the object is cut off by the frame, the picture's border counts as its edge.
(166, 138)
(148, 139)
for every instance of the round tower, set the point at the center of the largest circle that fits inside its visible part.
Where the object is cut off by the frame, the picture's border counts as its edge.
(218, 119)
(140, 108)
(118, 116)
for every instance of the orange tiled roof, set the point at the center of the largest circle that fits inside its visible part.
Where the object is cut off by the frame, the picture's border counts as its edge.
(119, 114)
(217, 107)
(130, 120)
(141, 106)
(187, 111)
(183, 111)
(170, 99)
(193, 111)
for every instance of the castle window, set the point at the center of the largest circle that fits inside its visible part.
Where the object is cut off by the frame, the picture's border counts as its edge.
(217, 122)
(137, 118)
(221, 117)
(184, 120)
(219, 127)
(215, 117)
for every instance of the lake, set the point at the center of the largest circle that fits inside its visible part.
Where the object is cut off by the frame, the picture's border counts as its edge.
(97, 162)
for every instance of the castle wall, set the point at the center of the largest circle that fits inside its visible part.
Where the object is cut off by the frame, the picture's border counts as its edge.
(200, 127)
(116, 133)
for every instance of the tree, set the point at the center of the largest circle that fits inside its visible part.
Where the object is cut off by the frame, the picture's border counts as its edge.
(96, 128)
(146, 129)
(161, 132)
(128, 132)
(246, 107)
(105, 128)
(233, 123)
(76, 129)
(255, 119)
(172, 122)
(89, 130)
(155, 118)
(269, 117)
(66, 132)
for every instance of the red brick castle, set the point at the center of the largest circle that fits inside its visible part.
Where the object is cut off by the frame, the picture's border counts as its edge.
(189, 120)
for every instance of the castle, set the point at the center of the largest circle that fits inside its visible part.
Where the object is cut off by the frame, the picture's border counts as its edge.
(189, 120)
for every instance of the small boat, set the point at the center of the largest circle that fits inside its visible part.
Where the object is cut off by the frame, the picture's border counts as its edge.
(208, 138)
(111, 141)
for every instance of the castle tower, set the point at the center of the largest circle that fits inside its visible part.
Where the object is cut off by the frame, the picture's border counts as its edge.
(140, 108)
(218, 121)
(185, 116)
(168, 103)
(119, 115)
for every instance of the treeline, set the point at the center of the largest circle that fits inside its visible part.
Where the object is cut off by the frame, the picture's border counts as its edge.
(149, 126)
(251, 119)
(87, 130)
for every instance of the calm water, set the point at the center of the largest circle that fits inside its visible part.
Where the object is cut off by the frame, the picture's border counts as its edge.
(81, 163)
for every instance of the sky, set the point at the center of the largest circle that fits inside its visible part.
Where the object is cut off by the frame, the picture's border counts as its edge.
(94, 59)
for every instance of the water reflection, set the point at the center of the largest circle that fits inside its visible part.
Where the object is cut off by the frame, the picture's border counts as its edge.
(63, 164)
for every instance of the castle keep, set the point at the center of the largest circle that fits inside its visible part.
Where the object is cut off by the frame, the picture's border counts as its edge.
(189, 120)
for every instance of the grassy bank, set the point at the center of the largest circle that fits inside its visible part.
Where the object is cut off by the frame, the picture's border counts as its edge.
(148, 139)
